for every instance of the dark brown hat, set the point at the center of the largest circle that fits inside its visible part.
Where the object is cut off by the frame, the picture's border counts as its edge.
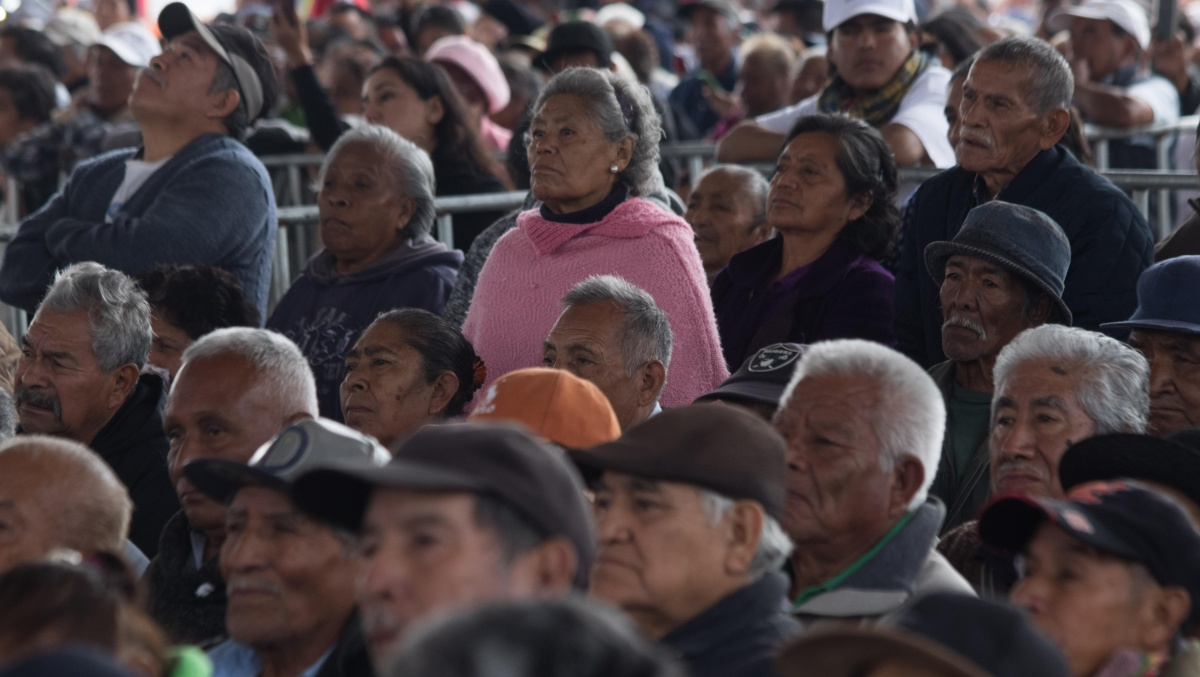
(716, 447)
(496, 459)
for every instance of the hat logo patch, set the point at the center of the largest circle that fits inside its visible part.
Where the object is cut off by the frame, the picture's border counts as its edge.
(1077, 521)
(774, 357)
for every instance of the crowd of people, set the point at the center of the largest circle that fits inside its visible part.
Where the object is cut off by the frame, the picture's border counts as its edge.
(823, 422)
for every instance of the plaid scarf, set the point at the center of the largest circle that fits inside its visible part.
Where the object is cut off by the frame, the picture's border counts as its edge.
(880, 107)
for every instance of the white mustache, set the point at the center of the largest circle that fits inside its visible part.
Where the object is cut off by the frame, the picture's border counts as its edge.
(235, 585)
(1021, 468)
(966, 323)
(965, 134)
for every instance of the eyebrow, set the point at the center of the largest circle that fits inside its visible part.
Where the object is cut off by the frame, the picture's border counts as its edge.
(1053, 401)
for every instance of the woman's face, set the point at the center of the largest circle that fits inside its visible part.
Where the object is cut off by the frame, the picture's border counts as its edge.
(361, 211)
(570, 161)
(390, 101)
(808, 193)
(166, 351)
(385, 393)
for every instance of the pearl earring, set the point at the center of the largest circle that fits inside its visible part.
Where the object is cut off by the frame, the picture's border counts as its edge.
(614, 169)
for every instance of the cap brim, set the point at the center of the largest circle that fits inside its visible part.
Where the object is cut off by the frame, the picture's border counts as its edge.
(845, 653)
(761, 393)
(1166, 325)
(221, 480)
(1011, 522)
(176, 19)
(339, 494)
(1139, 457)
(1061, 20)
(937, 253)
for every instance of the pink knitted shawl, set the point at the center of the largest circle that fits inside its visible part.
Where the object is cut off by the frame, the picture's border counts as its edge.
(517, 297)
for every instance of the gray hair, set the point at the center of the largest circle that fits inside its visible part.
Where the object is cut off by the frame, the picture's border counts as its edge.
(8, 416)
(1112, 380)
(599, 91)
(92, 508)
(774, 545)
(645, 334)
(566, 637)
(277, 361)
(910, 418)
(409, 167)
(755, 187)
(773, 47)
(1051, 84)
(117, 310)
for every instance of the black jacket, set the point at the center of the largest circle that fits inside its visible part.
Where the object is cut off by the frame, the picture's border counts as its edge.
(739, 635)
(135, 447)
(188, 603)
(1111, 244)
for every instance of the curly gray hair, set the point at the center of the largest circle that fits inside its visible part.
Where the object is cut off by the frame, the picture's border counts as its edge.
(602, 93)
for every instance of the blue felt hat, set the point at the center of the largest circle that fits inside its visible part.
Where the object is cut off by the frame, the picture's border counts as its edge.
(1166, 301)
(1020, 239)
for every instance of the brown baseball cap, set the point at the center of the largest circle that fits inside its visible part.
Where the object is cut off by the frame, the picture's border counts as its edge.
(556, 404)
(721, 448)
(497, 459)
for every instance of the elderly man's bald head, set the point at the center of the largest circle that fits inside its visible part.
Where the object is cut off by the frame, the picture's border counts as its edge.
(56, 493)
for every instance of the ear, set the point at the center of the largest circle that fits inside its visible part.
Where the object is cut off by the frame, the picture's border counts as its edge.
(551, 565)
(907, 477)
(125, 378)
(624, 153)
(746, 521)
(1041, 308)
(223, 103)
(859, 205)
(435, 110)
(443, 391)
(404, 213)
(1054, 126)
(1165, 610)
(650, 382)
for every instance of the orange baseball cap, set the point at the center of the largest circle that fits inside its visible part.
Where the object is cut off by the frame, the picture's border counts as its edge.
(555, 404)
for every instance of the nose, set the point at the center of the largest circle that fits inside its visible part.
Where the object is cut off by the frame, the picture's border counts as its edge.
(381, 577)
(29, 372)
(1029, 594)
(966, 113)
(965, 295)
(611, 525)
(334, 197)
(1018, 441)
(1162, 376)
(243, 552)
(159, 61)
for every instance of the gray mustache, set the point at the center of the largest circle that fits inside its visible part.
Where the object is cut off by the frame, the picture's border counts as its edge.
(966, 323)
(38, 398)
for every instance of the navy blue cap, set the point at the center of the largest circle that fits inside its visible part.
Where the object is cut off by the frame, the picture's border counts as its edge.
(1020, 239)
(1122, 518)
(951, 633)
(1165, 301)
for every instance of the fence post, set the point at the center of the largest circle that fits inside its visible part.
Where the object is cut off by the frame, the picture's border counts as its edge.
(445, 230)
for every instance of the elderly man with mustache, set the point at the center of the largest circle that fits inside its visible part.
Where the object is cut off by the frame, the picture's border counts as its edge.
(1013, 115)
(1002, 274)
(1055, 386)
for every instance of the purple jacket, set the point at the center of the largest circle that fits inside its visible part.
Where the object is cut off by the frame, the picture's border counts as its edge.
(843, 294)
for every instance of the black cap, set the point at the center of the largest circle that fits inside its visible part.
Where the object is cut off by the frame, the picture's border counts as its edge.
(234, 45)
(1122, 518)
(573, 37)
(296, 449)
(1172, 461)
(998, 641)
(762, 378)
(723, 449)
(495, 459)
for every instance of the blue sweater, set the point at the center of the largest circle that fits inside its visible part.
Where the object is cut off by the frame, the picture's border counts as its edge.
(212, 203)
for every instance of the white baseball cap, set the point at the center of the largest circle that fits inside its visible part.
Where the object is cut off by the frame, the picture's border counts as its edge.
(1126, 14)
(132, 43)
(838, 12)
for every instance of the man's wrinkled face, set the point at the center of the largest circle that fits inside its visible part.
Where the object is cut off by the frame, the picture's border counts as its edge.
(179, 81)
(424, 553)
(219, 407)
(585, 341)
(59, 388)
(27, 509)
(869, 50)
(288, 578)
(982, 306)
(1085, 601)
(721, 214)
(954, 97)
(836, 484)
(659, 550)
(1036, 417)
(1174, 359)
(998, 131)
